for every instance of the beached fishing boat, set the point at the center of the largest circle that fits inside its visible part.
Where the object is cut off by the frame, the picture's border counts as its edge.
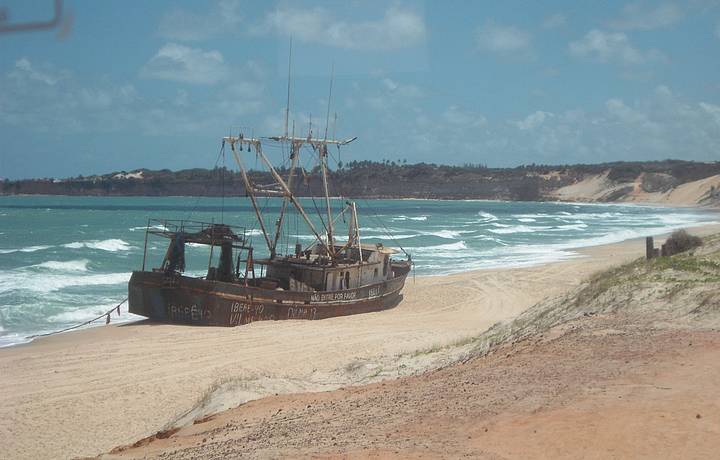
(324, 279)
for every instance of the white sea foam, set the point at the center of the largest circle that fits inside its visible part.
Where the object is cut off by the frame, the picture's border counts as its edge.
(418, 218)
(447, 234)
(486, 216)
(517, 229)
(111, 245)
(145, 227)
(394, 236)
(79, 265)
(565, 228)
(84, 313)
(527, 219)
(457, 246)
(20, 280)
(25, 249)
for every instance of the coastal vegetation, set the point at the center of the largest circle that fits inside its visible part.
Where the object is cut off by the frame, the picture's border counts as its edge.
(393, 179)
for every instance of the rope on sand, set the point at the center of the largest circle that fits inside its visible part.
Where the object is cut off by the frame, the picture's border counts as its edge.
(105, 315)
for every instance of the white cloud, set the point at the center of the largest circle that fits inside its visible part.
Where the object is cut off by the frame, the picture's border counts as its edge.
(62, 104)
(636, 16)
(554, 21)
(184, 64)
(398, 28)
(405, 90)
(391, 96)
(612, 46)
(660, 125)
(456, 116)
(618, 110)
(533, 120)
(657, 126)
(390, 84)
(24, 70)
(221, 18)
(502, 39)
(712, 110)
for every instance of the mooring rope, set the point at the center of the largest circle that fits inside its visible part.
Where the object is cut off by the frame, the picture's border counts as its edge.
(105, 315)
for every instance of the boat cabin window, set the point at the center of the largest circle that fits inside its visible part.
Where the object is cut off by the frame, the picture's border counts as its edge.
(375, 273)
(385, 266)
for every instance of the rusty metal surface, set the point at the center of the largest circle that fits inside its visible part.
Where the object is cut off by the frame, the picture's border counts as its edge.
(195, 301)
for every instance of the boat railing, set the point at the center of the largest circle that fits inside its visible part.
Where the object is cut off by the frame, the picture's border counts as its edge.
(172, 227)
(192, 231)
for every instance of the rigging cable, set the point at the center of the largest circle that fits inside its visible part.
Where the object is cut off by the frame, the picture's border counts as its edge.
(105, 315)
(382, 224)
(205, 187)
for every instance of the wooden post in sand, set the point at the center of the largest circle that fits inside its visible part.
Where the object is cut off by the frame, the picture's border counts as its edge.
(649, 248)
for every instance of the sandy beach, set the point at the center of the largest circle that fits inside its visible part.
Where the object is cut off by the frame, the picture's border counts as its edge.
(83, 393)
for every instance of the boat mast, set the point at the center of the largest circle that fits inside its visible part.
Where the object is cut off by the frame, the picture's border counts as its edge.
(324, 166)
(248, 187)
(296, 144)
(287, 106)
(285, 189)
(294, 154)
(356, 227)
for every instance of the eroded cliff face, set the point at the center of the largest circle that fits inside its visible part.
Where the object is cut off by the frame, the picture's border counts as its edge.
(645, 188)
(669, 182)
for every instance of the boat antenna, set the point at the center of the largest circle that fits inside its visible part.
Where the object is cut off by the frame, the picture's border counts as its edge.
(335, 126)
(222, 184)
(327, 116)
(287, 106)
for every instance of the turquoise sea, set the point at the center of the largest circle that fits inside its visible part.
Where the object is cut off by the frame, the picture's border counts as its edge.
(64, 260)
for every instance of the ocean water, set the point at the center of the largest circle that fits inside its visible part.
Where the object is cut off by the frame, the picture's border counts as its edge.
(64, 260)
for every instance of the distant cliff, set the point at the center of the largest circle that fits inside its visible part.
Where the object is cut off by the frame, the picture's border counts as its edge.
(669, 181)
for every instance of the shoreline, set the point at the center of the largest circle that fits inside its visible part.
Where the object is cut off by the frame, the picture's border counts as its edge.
(577, 250)
(87, 385)
(551, 200)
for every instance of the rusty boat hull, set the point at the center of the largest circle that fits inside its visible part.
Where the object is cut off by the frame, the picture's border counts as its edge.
(195, 301)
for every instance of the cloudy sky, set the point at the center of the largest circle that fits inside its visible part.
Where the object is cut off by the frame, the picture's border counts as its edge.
(123, 85)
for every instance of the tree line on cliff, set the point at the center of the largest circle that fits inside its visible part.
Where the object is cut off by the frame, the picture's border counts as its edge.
(376, 179)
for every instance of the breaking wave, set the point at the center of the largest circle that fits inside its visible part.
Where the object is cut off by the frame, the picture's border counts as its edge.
(21, 280)
(487, 217)
(517, 229)
(457, 246)
(70, 265)
(111, 245)
(416, 218)
(25, 249)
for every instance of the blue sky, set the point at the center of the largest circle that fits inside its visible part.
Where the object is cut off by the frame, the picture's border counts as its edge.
(125, 85)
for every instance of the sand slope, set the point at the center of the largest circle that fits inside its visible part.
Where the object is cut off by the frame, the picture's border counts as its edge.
(604, 387)
(598, 188)
(624, 366)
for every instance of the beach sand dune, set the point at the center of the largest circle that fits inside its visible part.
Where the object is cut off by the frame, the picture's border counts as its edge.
(602, 387)
(83, 393)
(623, 366)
